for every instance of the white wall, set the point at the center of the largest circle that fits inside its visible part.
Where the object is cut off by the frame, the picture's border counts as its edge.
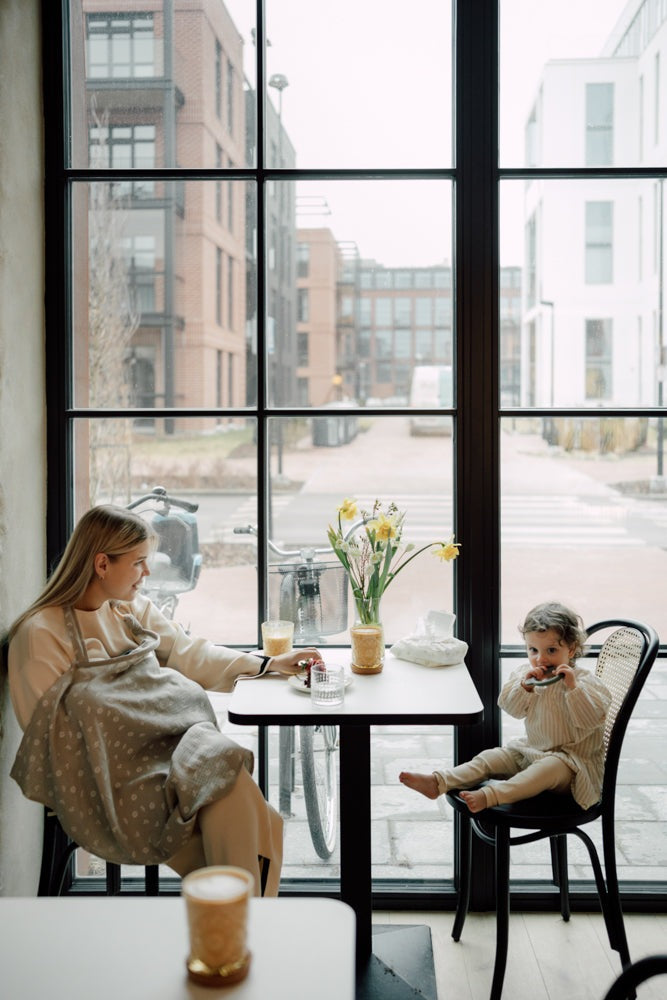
(22, 418)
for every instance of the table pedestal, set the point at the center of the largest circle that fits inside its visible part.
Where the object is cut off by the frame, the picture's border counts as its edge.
(394, 961)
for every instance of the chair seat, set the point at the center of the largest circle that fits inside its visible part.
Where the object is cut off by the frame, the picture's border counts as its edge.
(550, 811)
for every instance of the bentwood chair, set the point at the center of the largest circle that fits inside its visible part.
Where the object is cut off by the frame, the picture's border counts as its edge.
(57, 853)
(623, 664)
(624, 987)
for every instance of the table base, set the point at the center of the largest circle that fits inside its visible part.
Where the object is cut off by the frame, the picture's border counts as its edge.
(401, 966)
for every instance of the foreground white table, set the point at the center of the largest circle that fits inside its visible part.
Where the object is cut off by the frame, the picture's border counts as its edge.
(403, 694)
(134, 948)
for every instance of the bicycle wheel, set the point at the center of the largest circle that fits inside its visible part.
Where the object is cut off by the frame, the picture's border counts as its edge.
(285, 770)
(319, 745)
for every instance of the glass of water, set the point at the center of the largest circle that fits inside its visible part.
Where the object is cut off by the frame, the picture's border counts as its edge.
(327, 686)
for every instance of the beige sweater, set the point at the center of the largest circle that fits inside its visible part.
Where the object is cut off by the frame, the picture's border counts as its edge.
(566, 724)
(41, 650)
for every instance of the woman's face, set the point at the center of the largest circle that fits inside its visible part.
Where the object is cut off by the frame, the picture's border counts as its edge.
(122, 576)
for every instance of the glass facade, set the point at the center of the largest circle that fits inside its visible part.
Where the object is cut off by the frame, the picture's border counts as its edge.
(269, 235)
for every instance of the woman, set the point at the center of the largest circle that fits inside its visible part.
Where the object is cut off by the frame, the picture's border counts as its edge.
(120, 739)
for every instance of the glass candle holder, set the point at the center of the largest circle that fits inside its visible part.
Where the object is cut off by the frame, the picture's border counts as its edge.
(216, 900)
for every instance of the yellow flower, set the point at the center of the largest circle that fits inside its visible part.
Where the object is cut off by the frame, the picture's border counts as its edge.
(348, 509)
(448, 550)
(384, 527)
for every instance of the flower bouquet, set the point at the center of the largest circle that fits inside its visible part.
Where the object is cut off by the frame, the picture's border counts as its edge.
(372, 553)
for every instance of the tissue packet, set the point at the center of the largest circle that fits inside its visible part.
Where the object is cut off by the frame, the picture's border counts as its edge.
(432, 643)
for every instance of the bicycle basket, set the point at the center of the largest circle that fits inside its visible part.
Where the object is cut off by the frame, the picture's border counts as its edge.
(177, 561)
(311, 594)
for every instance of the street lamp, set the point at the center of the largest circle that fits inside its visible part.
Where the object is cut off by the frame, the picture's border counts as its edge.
(279, 82)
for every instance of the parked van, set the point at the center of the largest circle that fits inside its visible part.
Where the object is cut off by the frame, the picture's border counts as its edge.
(432, 388)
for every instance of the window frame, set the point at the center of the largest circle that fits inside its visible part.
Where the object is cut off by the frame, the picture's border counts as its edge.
(477, 178)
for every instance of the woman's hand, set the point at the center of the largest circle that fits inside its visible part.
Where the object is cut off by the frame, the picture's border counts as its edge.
(288, 663)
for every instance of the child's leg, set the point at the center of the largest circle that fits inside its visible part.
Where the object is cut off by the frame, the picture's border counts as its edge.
(495, 762)
(549, 774)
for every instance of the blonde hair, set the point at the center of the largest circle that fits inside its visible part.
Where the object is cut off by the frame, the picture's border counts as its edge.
(566, 623)
(106, 528)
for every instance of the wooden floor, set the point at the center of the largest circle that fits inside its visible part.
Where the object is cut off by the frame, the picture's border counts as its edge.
(548, 959)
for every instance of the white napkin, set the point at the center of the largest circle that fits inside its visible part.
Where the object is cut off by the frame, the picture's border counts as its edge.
(432, 642)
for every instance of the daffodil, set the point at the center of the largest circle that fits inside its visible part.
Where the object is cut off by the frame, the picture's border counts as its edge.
(448, 550)
(384, 527)
(370, 548)
(348, 509)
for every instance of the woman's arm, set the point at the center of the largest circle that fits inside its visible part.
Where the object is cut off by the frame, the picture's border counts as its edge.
(215, 667)
(39, 654)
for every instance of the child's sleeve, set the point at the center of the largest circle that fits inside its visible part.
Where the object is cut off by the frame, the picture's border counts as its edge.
(514, 699)
(588, 702)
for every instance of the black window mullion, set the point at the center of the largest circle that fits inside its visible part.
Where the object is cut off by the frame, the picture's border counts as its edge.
(57, 278)
(477, 431)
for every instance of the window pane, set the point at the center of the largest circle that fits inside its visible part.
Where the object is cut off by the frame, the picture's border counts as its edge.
(560, 66)
(360, 300)
(584, 497)
(361, 97)
(314, 464)
(209, 462)
(178, 68)
(163, 298)
(582, 260)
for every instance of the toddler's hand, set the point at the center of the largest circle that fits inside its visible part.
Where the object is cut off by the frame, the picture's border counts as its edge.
(567, 673)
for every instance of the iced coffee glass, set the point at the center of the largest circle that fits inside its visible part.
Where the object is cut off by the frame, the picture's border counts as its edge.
(277, 637)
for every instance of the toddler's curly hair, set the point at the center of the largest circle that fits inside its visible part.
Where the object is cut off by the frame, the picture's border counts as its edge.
(566, 623)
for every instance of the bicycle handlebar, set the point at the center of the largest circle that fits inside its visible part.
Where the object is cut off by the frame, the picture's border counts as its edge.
(307, 553)
(160, 495)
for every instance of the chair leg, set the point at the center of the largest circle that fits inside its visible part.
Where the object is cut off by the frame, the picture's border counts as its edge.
(608, 891)
(113, 879)
(615, 923)
(152, 880)
(502, 910)
(463, 902)
(60, 872)
(560, 874)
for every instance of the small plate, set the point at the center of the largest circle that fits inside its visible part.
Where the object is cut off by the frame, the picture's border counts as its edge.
(298, 682)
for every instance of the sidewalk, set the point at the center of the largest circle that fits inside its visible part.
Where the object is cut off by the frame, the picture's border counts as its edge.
(413, 836)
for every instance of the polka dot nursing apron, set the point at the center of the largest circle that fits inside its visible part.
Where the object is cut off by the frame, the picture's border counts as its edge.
(126, 752)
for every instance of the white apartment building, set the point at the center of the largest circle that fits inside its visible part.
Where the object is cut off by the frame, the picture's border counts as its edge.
(593, 326)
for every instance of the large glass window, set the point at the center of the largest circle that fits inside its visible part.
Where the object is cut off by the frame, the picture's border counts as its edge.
(265, 369)
(582, 453)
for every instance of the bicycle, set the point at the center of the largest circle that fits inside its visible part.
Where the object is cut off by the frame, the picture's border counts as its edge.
(314, 596)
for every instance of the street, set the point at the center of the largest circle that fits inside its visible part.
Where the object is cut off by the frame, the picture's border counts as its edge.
(568, 532)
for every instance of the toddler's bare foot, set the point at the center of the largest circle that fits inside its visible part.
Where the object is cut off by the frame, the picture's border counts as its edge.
(475, 800)
(424, 783)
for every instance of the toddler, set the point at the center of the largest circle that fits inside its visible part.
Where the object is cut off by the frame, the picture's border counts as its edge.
(564, 707)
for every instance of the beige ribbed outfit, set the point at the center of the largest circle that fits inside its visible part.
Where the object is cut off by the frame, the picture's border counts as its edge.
(562, 750)
(127, 752)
